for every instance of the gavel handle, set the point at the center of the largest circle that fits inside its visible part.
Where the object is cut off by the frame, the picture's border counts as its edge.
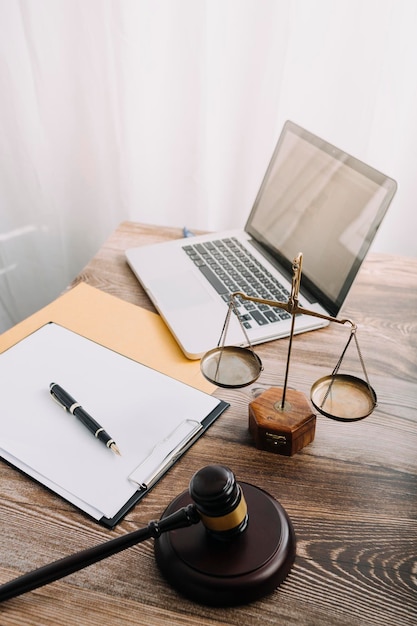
(63, 567)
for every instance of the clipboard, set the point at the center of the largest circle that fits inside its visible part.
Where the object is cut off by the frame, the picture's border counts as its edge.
(153, 418)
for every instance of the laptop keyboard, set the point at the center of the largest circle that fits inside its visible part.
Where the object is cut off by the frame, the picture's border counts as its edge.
(230, 267)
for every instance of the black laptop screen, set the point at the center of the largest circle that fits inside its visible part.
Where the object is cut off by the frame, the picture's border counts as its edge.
(320, 201)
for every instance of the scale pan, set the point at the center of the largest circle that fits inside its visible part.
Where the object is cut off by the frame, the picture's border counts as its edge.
(231, 366)
(349, 399)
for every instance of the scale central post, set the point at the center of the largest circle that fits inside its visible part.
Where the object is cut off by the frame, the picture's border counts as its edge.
(293, 308)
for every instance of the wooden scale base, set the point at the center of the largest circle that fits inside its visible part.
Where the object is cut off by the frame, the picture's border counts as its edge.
(281, 429)
(226, 573)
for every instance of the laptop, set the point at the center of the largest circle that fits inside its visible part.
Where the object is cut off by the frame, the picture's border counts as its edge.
(314, 199)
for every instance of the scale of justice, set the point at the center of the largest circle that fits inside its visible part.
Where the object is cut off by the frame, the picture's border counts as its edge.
(281, 419)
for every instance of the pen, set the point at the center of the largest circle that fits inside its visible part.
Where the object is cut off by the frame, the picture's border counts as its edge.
(72, 406)
(186, 232)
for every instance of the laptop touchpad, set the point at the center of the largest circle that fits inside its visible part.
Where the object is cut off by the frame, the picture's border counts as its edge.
(181, 291)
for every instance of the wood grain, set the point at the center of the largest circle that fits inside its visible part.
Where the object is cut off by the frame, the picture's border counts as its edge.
(351, 493)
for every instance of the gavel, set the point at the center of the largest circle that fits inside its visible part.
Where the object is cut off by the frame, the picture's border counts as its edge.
(226, 561)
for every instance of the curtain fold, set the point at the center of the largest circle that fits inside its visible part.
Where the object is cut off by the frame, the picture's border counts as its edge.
(168, 112)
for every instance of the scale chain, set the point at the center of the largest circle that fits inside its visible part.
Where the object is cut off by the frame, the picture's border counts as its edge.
(338, 364)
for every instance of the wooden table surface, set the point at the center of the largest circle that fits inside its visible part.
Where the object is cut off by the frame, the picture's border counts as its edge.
(351, 494)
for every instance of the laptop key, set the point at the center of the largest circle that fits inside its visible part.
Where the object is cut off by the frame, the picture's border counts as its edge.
(259, 318)
(272, 316)
(213, 280)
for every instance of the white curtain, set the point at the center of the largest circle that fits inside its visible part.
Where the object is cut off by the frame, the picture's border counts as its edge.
(167, 112)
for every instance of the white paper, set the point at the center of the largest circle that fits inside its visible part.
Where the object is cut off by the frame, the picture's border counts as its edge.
(139, 407)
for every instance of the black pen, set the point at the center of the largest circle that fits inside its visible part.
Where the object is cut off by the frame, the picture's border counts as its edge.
(72, 406)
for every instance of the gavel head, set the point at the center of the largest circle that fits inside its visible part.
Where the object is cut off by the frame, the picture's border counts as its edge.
(219, 501)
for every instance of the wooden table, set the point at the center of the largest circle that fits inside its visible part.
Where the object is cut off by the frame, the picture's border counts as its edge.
(351, 494)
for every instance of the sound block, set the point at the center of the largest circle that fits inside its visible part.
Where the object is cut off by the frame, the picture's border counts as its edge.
(226, 573)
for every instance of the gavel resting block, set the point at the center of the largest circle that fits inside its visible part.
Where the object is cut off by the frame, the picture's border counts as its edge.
(226, 573)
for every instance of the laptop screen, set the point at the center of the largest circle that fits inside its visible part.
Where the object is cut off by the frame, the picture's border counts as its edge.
(318, 200)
